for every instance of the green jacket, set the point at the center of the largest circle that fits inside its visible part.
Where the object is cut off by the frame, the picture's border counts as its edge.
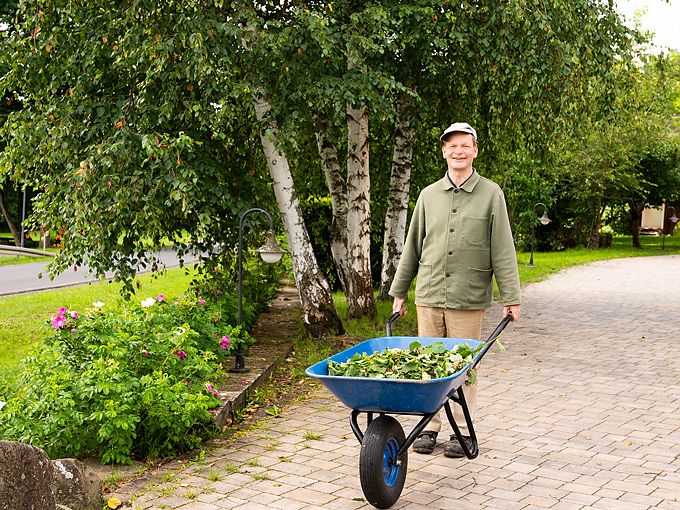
(457, 240)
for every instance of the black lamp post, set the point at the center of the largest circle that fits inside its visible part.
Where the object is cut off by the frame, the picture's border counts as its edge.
(544, 221)
(271, 253)
(673, 219)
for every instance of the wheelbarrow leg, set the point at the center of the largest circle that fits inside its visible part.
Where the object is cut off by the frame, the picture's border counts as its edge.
(406, 444)
(472, 452)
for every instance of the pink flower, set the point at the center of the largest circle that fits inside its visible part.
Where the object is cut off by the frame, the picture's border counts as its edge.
(145, 353)
(58, 322)
(209, 387)
(216, 270)
(225, 342)
(186, 382)
(160, 298)
(180, 354)
(73, 330)
(201, 302)
(74, 315)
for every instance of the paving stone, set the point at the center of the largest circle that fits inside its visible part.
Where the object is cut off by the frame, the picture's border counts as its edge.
(566, 418)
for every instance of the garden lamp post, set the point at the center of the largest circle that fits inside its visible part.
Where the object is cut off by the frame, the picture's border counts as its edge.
(544, 221)
(672, 219)
(271, 253)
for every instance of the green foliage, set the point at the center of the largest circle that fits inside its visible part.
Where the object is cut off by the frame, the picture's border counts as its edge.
(319, 221)
(417, 362)
(130, 129)
(122, 383)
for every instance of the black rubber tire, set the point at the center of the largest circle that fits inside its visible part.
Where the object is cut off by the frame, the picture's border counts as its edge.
(381, 479)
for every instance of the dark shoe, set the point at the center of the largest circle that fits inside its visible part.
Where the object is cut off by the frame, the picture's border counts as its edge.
(454, 450)
(425, 442)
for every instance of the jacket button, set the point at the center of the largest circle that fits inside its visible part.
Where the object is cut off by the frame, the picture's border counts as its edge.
(455, 190)
(448, 275)
(450, 230)
(455, 211)
(450, 253)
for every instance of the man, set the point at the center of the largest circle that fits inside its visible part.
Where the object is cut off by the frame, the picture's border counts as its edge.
(458, 238)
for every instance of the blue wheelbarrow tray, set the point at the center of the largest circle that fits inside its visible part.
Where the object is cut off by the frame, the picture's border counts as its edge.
(401, 396)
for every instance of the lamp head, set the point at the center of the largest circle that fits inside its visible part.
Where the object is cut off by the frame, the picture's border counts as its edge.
(270, 251)
(544, 219)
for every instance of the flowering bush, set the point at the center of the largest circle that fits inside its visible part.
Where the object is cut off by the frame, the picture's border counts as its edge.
(123, 382)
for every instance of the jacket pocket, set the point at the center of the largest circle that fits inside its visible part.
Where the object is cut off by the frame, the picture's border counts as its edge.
(480, 288)
(476, 231)
(423, 280)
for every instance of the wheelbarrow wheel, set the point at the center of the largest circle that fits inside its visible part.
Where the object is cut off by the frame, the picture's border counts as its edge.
(381, 472)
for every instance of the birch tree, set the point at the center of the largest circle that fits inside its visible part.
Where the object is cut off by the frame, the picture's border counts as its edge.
(317, 303)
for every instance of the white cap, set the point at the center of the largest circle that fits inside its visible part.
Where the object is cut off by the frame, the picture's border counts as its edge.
(459, 127)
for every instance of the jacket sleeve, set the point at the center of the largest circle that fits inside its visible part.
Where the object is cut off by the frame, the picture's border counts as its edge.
(503, 254)
(410, 257)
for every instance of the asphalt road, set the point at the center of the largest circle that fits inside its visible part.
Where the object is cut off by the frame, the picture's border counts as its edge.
(21, 278)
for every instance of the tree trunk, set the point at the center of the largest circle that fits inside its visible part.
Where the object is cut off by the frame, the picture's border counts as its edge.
(594, 240)
(635, 209)
(338, 191)
(8, 219)
(320, 316)
(360, 300)
(397, 206)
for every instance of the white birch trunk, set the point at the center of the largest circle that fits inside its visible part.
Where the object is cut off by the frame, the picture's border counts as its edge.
(397, 205)
(338, 192)
(360, 300)
(320, 316)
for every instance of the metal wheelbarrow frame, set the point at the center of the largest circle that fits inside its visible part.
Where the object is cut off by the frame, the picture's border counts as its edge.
(383, 458)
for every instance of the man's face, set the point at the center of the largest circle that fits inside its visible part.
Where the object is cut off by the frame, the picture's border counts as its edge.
(459, 151)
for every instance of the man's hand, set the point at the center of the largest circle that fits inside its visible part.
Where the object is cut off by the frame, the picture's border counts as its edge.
(398, 306)
(512, 309)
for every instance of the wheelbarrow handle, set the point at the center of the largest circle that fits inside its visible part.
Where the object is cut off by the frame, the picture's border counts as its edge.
(492, 338)
(388, 325)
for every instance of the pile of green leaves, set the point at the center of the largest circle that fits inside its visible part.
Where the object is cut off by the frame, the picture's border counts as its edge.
(417, 362)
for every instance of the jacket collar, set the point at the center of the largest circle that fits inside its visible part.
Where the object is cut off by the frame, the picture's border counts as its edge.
(468, 185)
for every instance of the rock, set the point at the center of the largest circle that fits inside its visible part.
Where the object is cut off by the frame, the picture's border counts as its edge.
(76, 486)
(30, 481)
(26, 476)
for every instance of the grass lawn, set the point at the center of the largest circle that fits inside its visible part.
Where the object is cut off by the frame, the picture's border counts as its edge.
(12, 260)
(23, 317)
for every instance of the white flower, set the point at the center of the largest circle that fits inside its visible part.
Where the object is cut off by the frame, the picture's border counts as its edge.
(148, 302)
(2, 404)
(97, 304)
(180, 331)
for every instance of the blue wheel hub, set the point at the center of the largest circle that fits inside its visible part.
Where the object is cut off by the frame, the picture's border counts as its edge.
(390, 467)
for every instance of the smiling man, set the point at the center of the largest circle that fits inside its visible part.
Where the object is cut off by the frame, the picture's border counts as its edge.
(458, 240)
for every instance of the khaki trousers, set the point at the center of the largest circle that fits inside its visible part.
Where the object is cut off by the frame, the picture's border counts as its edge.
(450, 323)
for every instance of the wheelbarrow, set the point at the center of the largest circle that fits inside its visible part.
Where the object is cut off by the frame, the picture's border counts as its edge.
(383, 459)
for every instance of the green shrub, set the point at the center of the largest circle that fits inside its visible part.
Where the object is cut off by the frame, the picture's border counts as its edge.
(123, 382)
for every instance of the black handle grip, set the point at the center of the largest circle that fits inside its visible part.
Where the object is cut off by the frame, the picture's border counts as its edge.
(388, 326)
(492, 338)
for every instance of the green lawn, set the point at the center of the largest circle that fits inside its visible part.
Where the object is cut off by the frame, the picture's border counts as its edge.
(12, 260)
(23, 316)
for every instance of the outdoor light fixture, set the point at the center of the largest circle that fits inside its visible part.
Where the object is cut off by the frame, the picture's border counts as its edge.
(544, 221)
(271, 253)
(672, 219)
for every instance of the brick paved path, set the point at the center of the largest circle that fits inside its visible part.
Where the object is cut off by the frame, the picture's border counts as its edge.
(582, 411)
